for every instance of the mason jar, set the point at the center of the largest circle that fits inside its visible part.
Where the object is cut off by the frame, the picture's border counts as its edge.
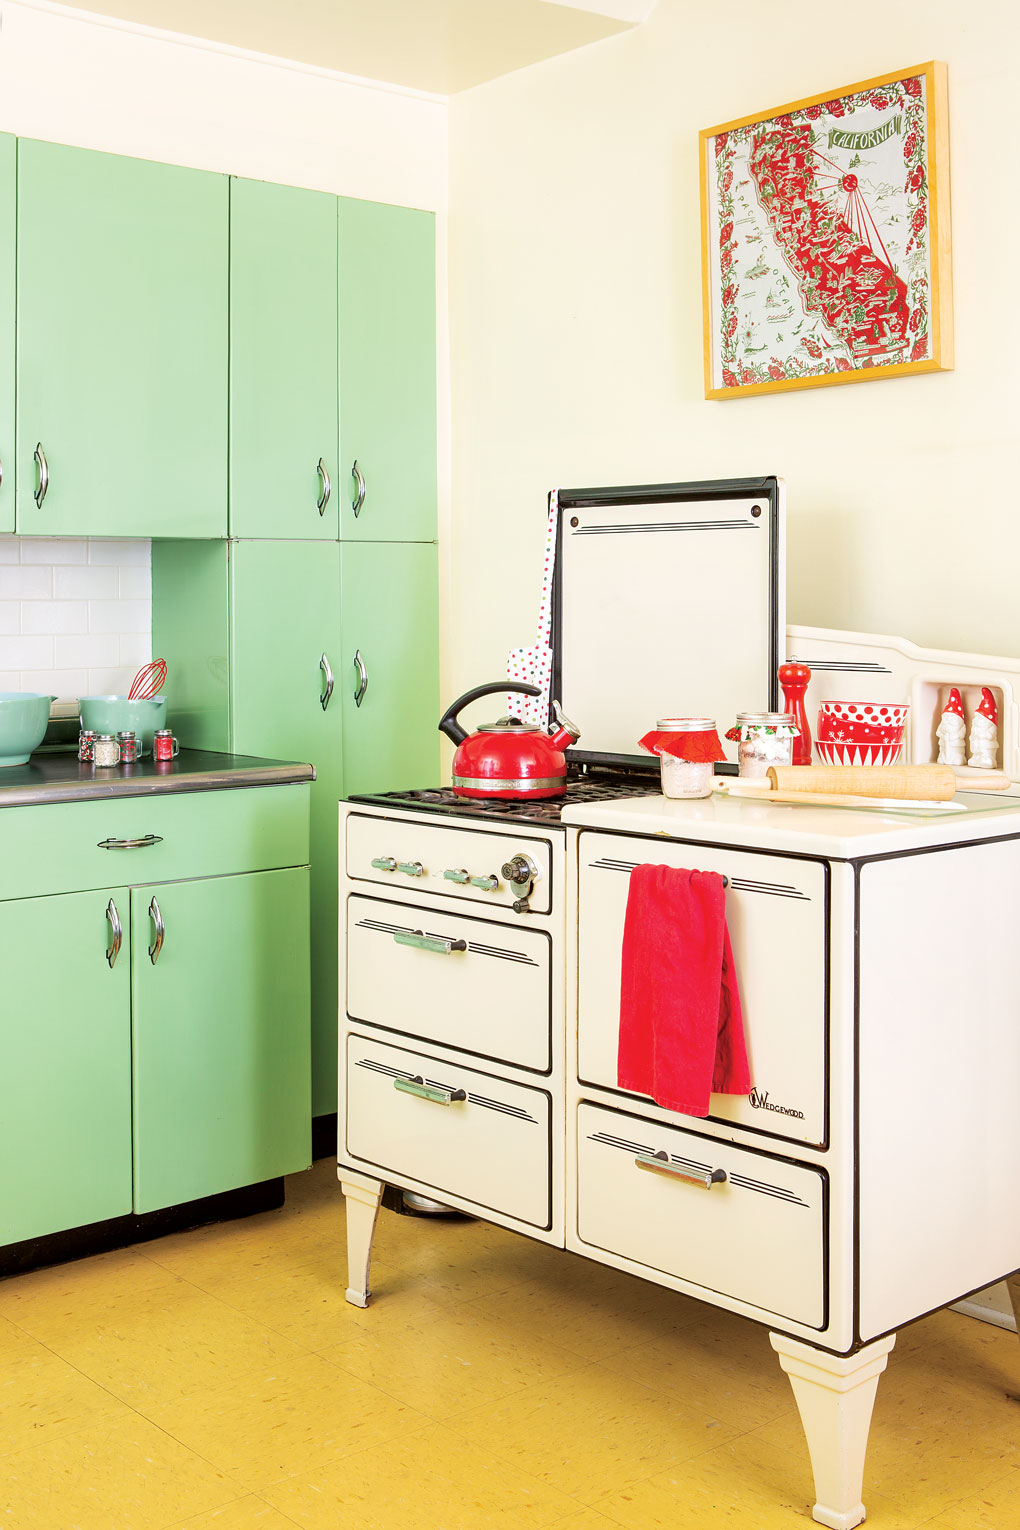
(763, 739)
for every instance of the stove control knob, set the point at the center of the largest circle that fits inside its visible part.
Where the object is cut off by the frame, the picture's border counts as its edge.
(520, 871)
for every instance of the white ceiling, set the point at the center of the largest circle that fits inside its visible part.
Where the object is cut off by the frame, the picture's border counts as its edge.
(442, 46)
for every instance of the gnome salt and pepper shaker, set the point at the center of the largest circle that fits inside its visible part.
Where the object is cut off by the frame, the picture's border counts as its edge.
(794, 680)
(984, 733)
(952, 731)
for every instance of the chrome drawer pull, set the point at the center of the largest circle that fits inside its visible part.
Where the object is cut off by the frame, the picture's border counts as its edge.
(431, 1092)
(116, 932)
(460, 875)
(362, 685)
(487, 884)
(39, 492)
(423, 942)
(130, 844)
(359, 498)
(658, 1163)
(158, 926)
(385, 863)
(323, 499)
(411, 868)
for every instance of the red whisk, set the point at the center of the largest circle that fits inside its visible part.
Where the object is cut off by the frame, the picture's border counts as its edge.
(149, 681)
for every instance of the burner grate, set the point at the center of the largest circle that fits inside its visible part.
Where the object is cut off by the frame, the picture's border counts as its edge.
(595, 786)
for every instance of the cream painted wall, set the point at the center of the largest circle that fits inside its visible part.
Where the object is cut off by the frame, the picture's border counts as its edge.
(576, 325)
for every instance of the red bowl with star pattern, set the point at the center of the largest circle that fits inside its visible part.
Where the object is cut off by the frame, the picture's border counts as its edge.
(861, 732)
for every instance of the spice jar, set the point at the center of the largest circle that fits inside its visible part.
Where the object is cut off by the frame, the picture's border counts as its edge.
(87, 746)
(107, 750)
(129, 750)
(763, 739)
(687, 747)
(164, 745)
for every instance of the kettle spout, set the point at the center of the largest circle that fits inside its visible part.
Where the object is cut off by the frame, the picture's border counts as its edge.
(567, 733)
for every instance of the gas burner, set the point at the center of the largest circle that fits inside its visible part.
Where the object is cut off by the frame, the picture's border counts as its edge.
(592, 786)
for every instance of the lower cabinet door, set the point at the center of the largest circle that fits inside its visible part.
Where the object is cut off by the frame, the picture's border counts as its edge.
(220, 1027)
(65, 1063)
(449, 1128)
(748, 1225)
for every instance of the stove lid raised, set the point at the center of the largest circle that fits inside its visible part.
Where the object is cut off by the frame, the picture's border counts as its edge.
(668, 600)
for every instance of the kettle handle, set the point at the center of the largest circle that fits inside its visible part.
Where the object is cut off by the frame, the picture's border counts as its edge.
(448, 723)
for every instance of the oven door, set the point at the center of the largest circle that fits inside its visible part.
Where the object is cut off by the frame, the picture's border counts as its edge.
(777, 914)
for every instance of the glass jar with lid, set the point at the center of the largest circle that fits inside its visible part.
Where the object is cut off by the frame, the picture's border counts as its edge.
(688, 748)
(763, 739)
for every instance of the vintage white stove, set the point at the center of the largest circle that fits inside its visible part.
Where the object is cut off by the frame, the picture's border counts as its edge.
(870, 1176)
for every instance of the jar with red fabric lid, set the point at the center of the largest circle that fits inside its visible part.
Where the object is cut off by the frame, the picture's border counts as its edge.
(688, 748)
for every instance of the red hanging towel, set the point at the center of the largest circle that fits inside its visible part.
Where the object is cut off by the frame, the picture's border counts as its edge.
(681, 1027)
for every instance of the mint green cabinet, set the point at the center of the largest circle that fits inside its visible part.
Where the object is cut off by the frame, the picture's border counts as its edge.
(121, 346)
(65, 1063)
(8, 251)
(387, 320)
(390, 625)
(283, 362)
(219, 1022)
(285, 668)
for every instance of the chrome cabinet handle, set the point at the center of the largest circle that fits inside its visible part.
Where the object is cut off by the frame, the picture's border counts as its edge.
(130, 844)
(116, 932)
(658, 1163)
(160, 928)
(423, 942)
(362, 685)
(39, 493)
(411, 868)
(327, 693)
(327, 487)
(433, 1092)
(385, 863)
(1, 472)
(359, 498)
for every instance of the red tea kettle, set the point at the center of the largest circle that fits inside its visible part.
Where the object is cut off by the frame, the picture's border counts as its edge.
(508, 758)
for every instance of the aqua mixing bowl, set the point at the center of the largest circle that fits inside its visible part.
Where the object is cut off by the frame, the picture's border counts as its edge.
(117, 714)
(23, 719)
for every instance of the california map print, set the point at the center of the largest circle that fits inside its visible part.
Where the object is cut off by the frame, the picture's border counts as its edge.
(819, 240)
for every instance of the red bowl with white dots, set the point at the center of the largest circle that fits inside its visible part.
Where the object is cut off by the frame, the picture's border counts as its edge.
(860, 732)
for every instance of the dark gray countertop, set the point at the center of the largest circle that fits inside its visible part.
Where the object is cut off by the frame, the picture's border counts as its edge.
(61, 777)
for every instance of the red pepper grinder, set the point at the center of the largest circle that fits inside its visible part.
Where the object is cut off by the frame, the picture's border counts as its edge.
(794, 680)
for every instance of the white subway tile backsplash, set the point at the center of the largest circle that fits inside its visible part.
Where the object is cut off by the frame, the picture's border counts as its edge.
(120, 616)
(26, 652)
(48, 550)
(84, 583)
(75, 616)
(120, 553)
(25, 582)
(87, 651)
(54, 616)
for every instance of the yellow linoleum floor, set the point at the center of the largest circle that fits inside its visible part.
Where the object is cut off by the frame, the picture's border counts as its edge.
(217, 1380)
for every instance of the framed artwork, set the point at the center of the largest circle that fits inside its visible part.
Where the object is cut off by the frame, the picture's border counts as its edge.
(825, 239)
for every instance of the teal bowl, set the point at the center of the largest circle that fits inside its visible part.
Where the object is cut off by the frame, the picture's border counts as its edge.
(23, 719)
(116, 714)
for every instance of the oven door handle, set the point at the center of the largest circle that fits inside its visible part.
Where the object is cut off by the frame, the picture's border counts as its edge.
(657, 1164)
(435, 1093)
(423, 942)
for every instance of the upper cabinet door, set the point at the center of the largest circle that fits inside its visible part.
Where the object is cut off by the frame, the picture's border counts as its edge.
(283, 362)
(122, 346)
(8, 237)
(387, 373)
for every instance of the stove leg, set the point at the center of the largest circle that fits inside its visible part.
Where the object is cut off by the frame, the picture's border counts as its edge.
(835, 1396)
(362, 1196)
(1013, 1286)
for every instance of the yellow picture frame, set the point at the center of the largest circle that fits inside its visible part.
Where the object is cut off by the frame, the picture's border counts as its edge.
(859, 272)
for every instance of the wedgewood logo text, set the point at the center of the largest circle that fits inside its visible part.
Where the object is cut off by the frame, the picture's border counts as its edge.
(759, 1098)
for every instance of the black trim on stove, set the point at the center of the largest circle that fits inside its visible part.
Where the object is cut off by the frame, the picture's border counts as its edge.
(743, 1181)
(740, 884)
(441, 1190)
(785, 855)
(473, 1051)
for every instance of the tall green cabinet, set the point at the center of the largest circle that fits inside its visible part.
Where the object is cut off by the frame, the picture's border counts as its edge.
(314, 636)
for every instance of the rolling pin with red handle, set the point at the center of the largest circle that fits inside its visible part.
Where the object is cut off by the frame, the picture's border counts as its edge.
(916, 783)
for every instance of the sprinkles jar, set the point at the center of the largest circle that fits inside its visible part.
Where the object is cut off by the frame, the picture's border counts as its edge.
(128, 747)
(107, 750)
(763, 739)
(87, 746)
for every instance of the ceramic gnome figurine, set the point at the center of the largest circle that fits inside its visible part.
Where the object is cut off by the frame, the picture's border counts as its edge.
(984, 733)
(952, 731)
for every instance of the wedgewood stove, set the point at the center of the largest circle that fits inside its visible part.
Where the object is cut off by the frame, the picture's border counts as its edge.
(870, 1176)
